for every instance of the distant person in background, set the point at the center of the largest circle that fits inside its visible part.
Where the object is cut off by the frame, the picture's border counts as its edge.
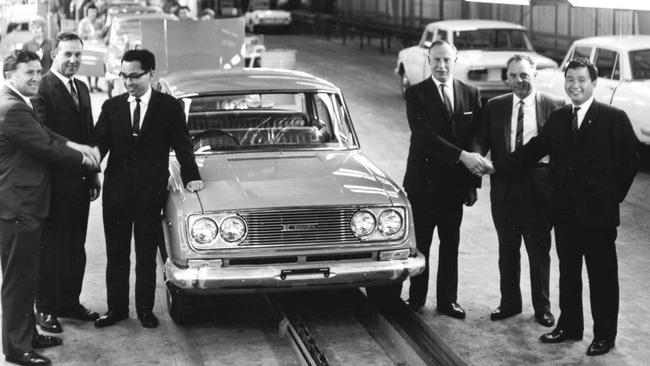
(184, 13)
(39, 44)
(87, 31)
(206, 14)
(171, 7)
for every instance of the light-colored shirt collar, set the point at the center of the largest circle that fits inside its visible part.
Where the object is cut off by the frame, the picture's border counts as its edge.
(449, 83)
(64, 79)
(10, 86)
(144, 98)
(584, 107)
(529, 100)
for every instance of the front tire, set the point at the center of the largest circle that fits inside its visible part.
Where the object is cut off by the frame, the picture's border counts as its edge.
(179, 305)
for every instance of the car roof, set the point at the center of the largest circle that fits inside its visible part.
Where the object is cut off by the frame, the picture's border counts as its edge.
(627, 42)
(472, 24)
(184, 83)
(132, 16)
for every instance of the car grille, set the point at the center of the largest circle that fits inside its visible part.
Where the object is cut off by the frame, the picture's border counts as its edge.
(300, 226)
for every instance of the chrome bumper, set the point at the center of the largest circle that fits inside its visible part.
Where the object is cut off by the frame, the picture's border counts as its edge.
(211, 277)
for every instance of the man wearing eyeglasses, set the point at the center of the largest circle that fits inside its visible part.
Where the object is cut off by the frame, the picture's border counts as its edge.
(138, 128)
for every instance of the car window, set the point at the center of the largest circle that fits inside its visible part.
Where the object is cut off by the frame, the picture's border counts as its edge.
(441, 34)
(607, 63)
(581, 52)
(493, 39)
(640, 64)
(426, 37)
(262, 121)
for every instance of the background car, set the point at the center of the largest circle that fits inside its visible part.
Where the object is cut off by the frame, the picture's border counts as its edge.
(290, 202)
(623, 64)
(259, 15)
(484, 47)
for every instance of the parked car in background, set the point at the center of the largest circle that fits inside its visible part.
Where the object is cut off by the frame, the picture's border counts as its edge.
(484, 47)
(623, 64)
(290, 202)
(260, 16)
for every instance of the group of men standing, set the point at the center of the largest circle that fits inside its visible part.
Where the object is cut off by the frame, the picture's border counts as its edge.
(565, 167)
(50, 152)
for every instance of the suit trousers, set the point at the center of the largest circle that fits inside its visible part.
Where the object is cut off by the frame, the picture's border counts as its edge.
(523, 214)
(119, 225)
(19, 256)
(446, 213)
(63, 253)
(597, 245)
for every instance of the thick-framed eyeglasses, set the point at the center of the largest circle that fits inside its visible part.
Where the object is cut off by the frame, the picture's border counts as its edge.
(132, 77)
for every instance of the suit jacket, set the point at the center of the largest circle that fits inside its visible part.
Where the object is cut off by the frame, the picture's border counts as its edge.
(591, 173)
(56, 109)
(495, 136)
(140, 166)
(26, 149)
(437, 140)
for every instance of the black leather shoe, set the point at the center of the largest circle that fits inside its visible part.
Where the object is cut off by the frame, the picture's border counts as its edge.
(148, 320)
(79, 312)
(30, 359)
(559, 336)
(45, 341)
(415, 305)
(600, 347)
(503, 313)
(109, 319)
(452, 309)
(545, 319)
(48, 322)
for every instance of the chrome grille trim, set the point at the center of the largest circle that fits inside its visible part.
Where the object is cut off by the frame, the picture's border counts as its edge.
(270, 157)
(333, 226)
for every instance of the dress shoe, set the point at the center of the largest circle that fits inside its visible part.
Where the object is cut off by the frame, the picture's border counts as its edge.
(45, 341)
(109, 319)
(48, 322)
(503, 313)
(148, 320)
(559, 336)
(30, 359)
(452, 309)
(79, 312)
(600, 347)
(546, 319)
(415, 305)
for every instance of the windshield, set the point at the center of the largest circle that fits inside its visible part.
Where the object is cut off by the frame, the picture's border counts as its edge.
(640, 64)
(268, 121)
(493, 40)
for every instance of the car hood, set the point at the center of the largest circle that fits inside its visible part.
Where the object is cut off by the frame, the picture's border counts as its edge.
(292, 179)
(271, 13)
(499, 58)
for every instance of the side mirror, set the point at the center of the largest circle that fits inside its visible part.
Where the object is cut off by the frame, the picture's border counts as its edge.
(427, 44)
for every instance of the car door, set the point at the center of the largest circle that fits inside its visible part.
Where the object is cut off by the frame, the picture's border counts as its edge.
(609, 74)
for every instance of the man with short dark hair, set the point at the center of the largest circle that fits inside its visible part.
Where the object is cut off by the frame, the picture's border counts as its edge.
(520, 204)
(63, 105)
(27, 151)
(593, 152)
(135, 183)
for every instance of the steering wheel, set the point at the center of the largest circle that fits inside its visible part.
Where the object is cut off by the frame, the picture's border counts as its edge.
(211, 135)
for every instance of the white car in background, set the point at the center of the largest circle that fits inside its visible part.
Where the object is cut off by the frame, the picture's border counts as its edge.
(484, 47)
(623, 64)
(259, 15)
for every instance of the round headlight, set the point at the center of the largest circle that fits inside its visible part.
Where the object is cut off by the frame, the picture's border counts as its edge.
(363, 223)
(233, 229)
(390, 222)
(204, 230)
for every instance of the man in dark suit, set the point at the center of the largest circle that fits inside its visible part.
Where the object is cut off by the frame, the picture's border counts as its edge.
(27, 150)
(138, 128)
(63, 105)
(443, 116)
(594, 159)
(520, 204)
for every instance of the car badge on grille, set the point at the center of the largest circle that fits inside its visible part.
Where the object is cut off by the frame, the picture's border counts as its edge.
(299, 227)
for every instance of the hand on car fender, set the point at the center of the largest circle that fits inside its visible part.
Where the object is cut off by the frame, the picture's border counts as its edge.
(194, 186)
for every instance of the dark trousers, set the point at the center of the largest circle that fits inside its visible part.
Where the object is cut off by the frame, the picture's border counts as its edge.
(446, 213)
(63, 253)
(119, 225)
(523, 216)
(597, 246)
(19, 255)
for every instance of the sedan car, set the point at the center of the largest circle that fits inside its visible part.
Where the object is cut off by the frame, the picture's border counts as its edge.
(623, 64)
(484, 47)
(290, 202)
(259, 16)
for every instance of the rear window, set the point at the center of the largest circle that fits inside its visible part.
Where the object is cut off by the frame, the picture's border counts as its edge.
(493, 40)
(640, 64)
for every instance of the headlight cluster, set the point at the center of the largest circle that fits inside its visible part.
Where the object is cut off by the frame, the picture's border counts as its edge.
(370, 224)
(210, 231)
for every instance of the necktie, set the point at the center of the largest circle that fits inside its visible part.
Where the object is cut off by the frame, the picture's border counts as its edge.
(445, 98)
(136, 117)
(574, 122)
(73, 92)
(519, 137)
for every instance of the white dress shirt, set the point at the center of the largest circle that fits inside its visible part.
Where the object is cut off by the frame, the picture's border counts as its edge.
(584, 107)
(144, 103)
(65, 80)
(449, 89)
(530, 120)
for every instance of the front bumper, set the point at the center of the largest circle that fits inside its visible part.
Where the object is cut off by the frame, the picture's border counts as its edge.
(211, 277)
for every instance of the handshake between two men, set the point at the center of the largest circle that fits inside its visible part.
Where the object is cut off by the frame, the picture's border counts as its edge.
(476, 163)
(91, 156)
